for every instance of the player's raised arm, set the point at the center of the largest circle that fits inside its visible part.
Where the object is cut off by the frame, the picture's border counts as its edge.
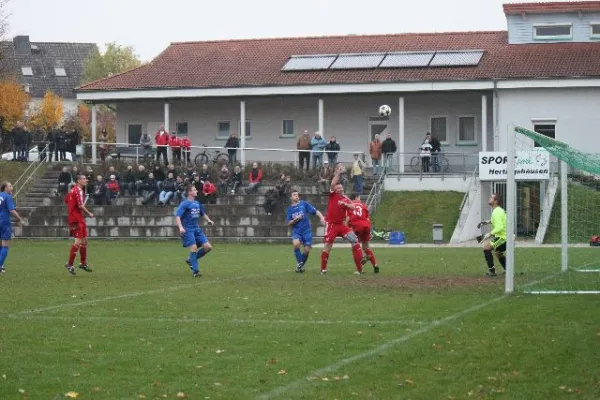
(336, 176)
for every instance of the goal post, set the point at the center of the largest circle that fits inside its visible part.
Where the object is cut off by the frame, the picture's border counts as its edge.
(562, 208)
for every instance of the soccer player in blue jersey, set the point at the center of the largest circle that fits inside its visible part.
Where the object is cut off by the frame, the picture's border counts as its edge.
(188, 213)
(7, 208)
(298, 218)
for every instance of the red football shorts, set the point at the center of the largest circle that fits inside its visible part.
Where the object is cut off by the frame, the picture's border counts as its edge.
(335, 230)
(363, 232)
(78, 230)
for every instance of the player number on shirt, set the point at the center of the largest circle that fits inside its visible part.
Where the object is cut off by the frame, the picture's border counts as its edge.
(358, 211)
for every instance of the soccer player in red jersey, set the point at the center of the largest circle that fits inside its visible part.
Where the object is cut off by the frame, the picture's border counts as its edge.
(358, 219)
(337, 208)
(77, 227)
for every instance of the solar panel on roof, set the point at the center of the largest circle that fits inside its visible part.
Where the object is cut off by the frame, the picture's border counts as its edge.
(407, 60)
(307, 63)
(358, 61)
(456, 58)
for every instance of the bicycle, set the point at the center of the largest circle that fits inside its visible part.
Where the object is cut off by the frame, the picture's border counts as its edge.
(206, 155)
(416, 163)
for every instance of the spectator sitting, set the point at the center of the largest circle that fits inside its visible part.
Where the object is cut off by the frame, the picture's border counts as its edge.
(112, 171)
(89, 174)
(168, 190)
(180, 193)
(129, 181)
(284, 187)
(236, 179)
(198, 183)
(204, 173)
(325, 177)
(209, 192)
(224, 178)
(74, 173)
(98, 191)
(425, 155)
(255, 178)
(331, 149)
(159, 176)
(112, 189)
(190, 173)
(172, 170)
(150, 189)
(140, 180)
(64, 180)
(270, 201)
(186, 148)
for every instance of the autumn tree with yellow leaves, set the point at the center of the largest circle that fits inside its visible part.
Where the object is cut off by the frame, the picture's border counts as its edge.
(48, 114)
(13, 103)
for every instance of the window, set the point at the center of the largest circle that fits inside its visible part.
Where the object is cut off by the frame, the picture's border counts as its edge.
(223, 129)
(546, 129)
(466, 129)
(60, 71)
(552, 32)
(595, 30)
(439, 128)
(134, 133)
(248, 128)
(181, 128)
(288, 127)
(27, 71)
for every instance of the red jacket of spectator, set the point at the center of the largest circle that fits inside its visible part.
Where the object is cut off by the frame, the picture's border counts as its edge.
(186, 143)
(258, 178)
(113, 186)
(161, 140)
(208, 188)
(174, 142)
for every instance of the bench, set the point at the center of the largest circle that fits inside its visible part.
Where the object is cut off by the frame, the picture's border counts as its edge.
(129, 152)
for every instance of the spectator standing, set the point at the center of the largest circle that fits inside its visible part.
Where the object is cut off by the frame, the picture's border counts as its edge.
(162, 142)
(325, 176)
(175, 145)
(375, 151)
(103, 147)
(224, 177)
(26, 144)
(425, 150)
(436, 152)
(357, 174)
(63, 143)
(332, 149)
(16, 137)
(255, 178)
(146, 145)
(186, 148)
(303, 147)
(52, 144)
(388, 148)
(317, 145)
(74, 141)
(232, 145)
(236, 179)
(129, 181)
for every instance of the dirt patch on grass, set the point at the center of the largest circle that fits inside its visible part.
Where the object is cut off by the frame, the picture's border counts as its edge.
(441, 282)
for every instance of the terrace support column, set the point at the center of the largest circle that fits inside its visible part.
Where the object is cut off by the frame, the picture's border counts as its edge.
(401, 147)
(166, 123)
(243, 132)
(484, 132)
(94, 134)
(321, 117)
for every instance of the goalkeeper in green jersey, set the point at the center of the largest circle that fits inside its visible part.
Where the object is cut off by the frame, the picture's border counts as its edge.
(497, 236)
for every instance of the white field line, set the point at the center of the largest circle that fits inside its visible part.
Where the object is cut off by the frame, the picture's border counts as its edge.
(87, 318)
(386, 346)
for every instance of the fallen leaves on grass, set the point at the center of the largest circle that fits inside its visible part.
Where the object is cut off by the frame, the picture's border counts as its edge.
(220, 351)
(272, 361)
(141, 396)
(72, 395)
(22, 391)
(181, 395)
(282, 372)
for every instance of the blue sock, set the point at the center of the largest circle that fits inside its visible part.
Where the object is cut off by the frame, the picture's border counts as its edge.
(3, 255)
(194, 262)
(305, 257)
(299, 256)
(201, 253)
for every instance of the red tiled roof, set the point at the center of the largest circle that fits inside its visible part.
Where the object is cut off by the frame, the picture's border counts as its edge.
(247, 63)
(557, 7)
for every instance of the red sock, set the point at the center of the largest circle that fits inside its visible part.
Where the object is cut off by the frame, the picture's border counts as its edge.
(357, 254)
(83, 255)
(371, 256)
(324, 258)
(72, 254)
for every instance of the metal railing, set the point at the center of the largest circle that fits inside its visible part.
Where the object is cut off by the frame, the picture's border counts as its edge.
(374, 197)
(28, 175)
(465, 199)
(436, 165)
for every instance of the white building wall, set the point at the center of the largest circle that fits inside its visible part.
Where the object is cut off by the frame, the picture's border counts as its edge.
(345, 116)
(576, 111)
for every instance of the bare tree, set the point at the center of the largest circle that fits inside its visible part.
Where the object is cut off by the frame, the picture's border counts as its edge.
(4, 15)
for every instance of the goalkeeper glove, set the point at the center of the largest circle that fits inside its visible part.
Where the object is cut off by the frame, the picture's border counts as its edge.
(479, 238)
(482, 223)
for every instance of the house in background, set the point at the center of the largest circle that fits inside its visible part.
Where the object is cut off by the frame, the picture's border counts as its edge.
(466, 88)
(42, 66)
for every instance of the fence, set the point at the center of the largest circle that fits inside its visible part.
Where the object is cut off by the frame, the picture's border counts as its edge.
(438, 164)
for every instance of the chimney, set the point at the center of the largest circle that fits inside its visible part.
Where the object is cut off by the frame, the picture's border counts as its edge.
(22, 45)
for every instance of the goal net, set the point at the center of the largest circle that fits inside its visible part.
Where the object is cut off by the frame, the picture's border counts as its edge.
(553, 209)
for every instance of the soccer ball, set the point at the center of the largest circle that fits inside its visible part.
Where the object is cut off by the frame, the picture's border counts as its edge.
(385, 110)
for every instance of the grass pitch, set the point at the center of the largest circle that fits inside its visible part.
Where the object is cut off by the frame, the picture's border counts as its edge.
(427, 327)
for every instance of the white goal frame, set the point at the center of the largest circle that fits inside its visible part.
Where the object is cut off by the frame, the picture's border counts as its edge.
(511, 210)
